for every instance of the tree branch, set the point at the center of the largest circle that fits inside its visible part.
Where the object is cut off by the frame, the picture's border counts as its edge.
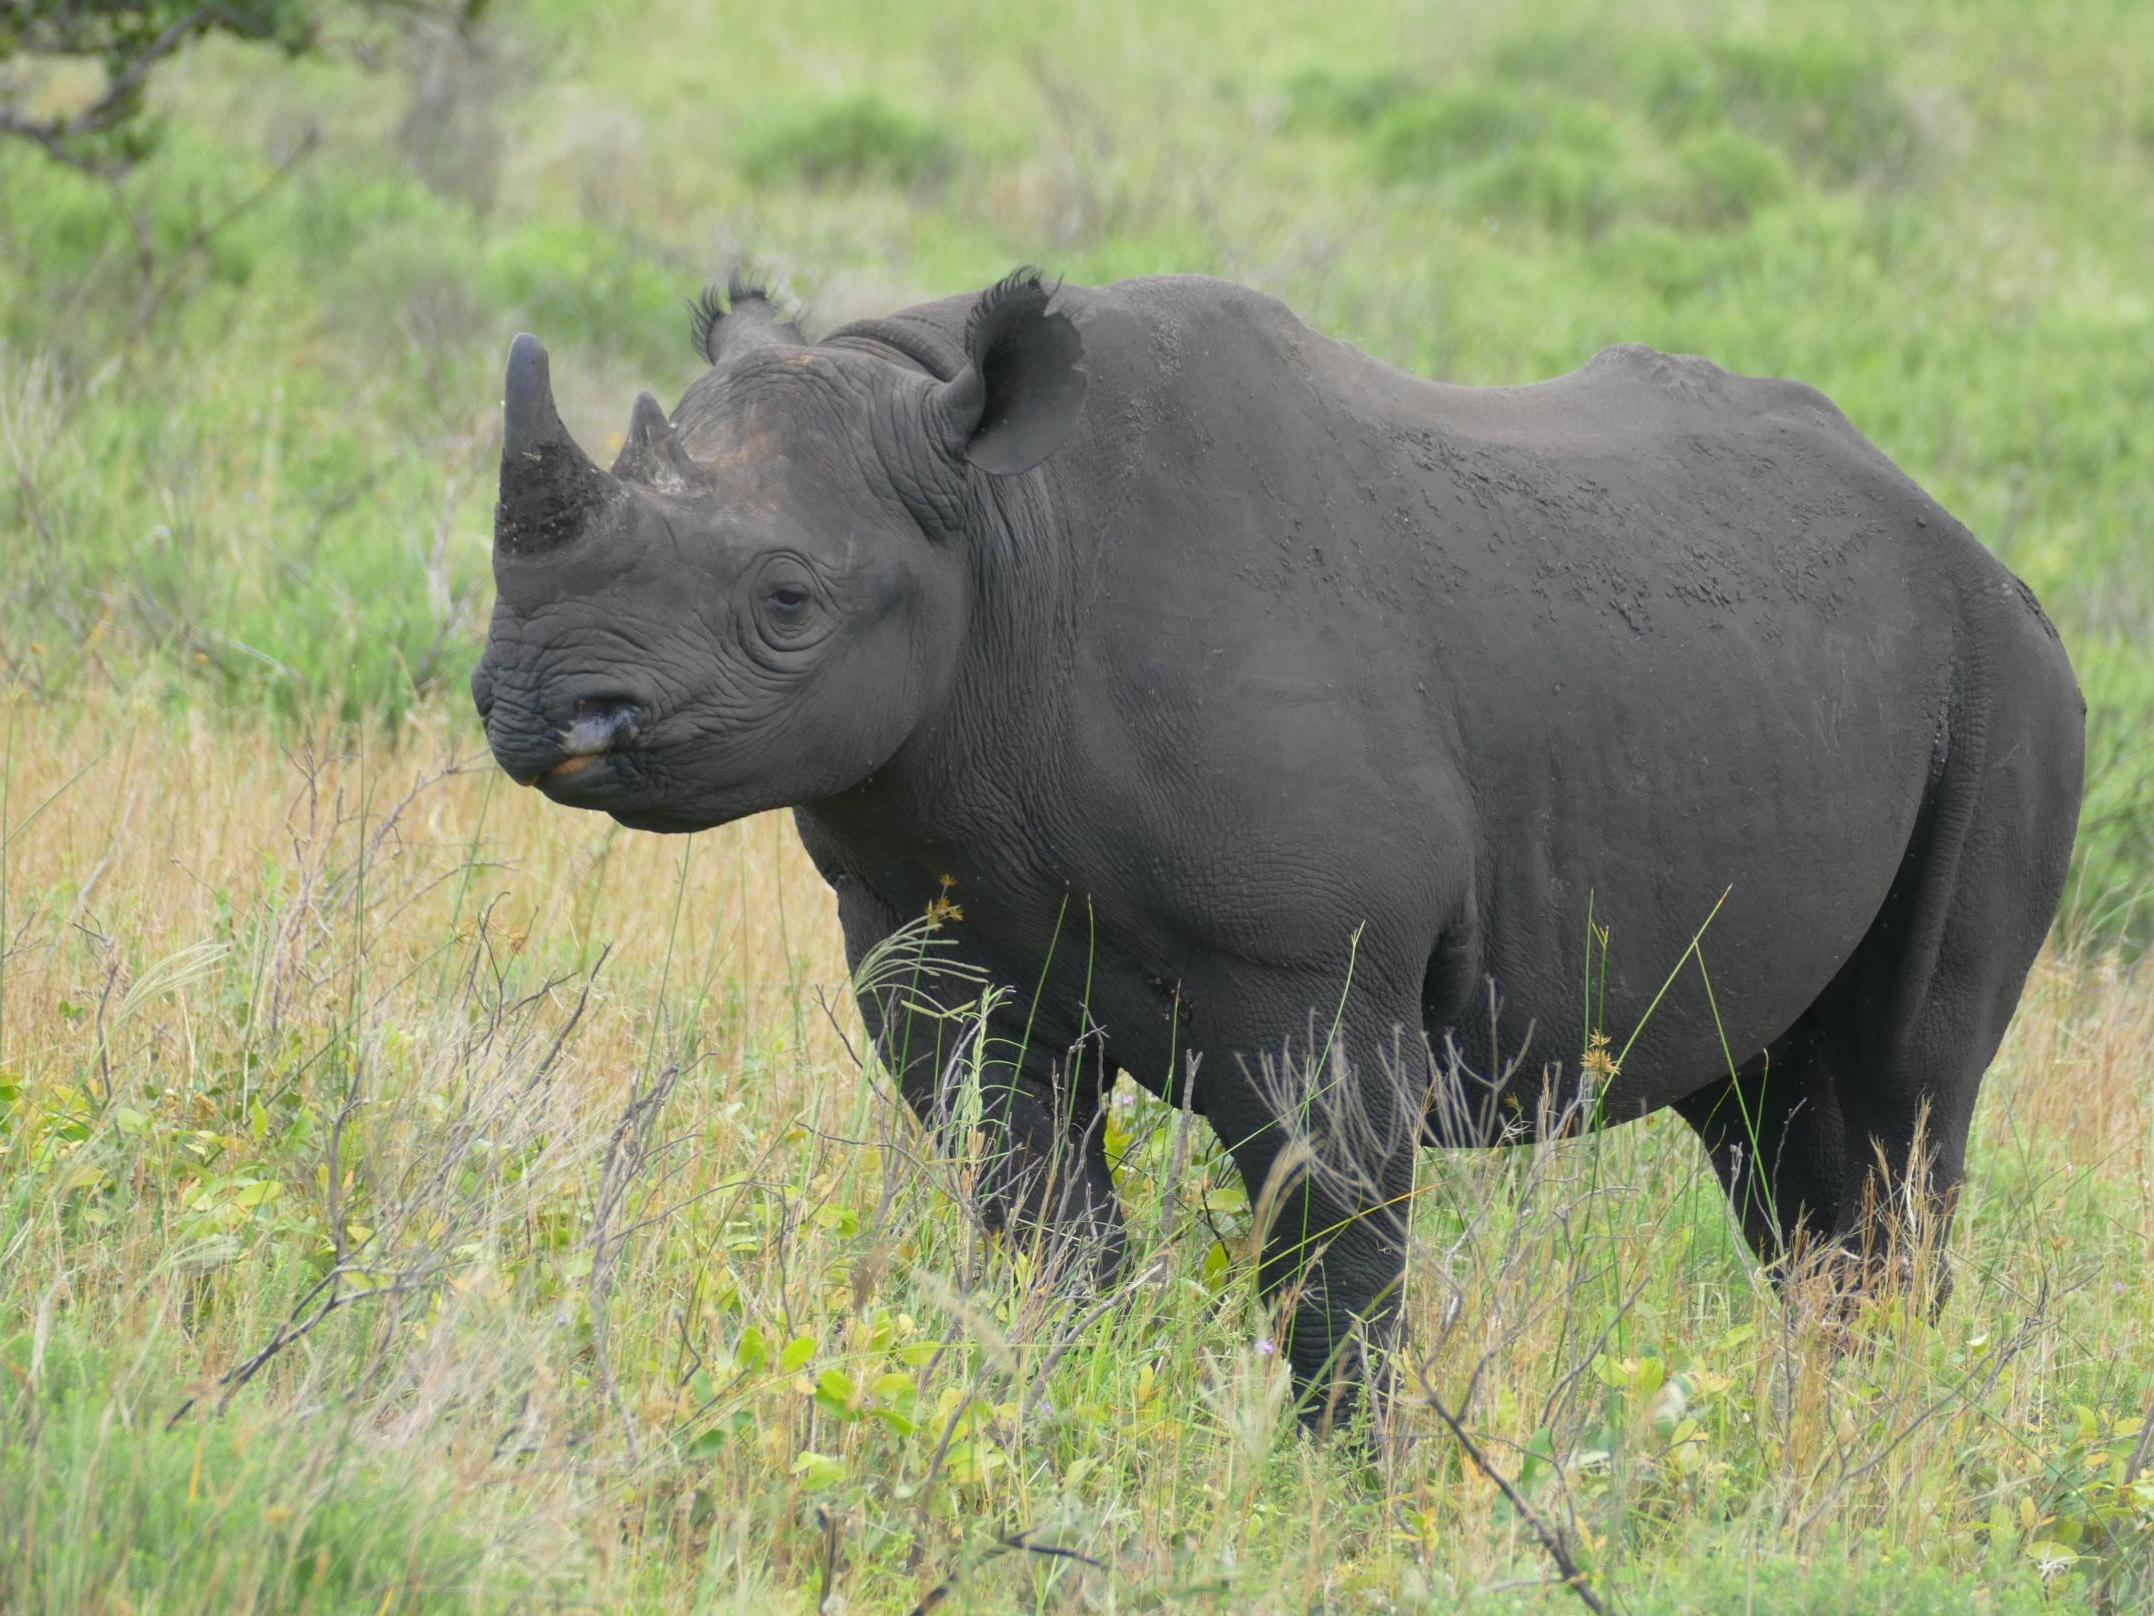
(116, 104)
(1574, 1576)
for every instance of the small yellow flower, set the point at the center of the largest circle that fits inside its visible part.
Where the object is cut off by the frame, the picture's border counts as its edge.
(1598, 1064)
(942, 906)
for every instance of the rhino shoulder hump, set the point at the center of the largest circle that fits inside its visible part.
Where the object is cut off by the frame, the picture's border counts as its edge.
(1677, 373)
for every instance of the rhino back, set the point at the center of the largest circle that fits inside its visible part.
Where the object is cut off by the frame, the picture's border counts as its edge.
(1358, 649)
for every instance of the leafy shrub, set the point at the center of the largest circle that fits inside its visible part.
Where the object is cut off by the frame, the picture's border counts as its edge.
(1829, 106)
(122, 51)
(850, 141)
(1507, 152)
(128, 43)
(1570, 191)
(1675, 264)
(583, 283)
(1826, 1584)
(1327, 99)
(1727, 175)
(1434, 135)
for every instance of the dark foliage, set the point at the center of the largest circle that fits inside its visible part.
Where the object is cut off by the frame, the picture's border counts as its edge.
(129, 40)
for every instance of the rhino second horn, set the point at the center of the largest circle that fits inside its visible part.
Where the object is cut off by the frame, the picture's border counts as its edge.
(652, 453)
(549, 487)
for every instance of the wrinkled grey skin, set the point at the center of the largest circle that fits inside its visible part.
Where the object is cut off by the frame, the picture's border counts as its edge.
(1270, 706)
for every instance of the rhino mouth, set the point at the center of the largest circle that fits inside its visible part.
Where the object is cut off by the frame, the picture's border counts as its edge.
(570, 768)
(592, 748)
(590, 780)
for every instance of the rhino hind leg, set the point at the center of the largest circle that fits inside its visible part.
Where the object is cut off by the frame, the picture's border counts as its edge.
(1777, 1141)
(1900, 1042)
(1853, 1127)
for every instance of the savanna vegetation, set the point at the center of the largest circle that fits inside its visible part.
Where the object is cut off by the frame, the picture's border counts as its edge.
(413, 1197)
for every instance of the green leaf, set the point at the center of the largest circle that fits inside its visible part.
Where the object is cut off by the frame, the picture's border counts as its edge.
(1216, 1264)
(834, 1389)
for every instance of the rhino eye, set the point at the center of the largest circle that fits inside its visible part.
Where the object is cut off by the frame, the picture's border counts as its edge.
(788, 612)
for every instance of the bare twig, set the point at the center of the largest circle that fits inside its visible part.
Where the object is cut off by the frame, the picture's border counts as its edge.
(627, 1151)
(297, 1327)
(1572, 1575)
(1069, 1336)
(830, 1555)
(568, 1027)
(111, 108)
(2143, 1449)
(157, 293)
(1968, 1390)
(1016, 1542)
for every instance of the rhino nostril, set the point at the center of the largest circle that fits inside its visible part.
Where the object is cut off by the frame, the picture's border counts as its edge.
(603, 723)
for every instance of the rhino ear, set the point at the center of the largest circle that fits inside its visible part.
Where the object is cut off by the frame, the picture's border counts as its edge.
(745, 316)
(1023, 383)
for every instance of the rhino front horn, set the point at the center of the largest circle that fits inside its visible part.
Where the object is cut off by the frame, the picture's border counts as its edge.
(549, 487)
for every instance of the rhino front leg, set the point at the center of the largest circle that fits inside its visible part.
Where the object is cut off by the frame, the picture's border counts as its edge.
(1043, 1175)
(1045, 1160)
(1323, 1128)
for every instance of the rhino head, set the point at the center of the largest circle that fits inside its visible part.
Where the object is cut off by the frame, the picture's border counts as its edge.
(769, 593)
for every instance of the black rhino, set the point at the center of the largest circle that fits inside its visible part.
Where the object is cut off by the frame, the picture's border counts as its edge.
(1273, 715)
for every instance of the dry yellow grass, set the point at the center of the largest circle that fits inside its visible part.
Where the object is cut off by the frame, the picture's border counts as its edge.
(678, 1318)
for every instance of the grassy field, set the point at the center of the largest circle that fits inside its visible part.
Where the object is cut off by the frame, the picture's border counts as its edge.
(414, 1197)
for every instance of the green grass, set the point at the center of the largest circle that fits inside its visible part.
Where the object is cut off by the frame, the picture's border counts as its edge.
(245, 482)
(418, 1198)
(109, 1508)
